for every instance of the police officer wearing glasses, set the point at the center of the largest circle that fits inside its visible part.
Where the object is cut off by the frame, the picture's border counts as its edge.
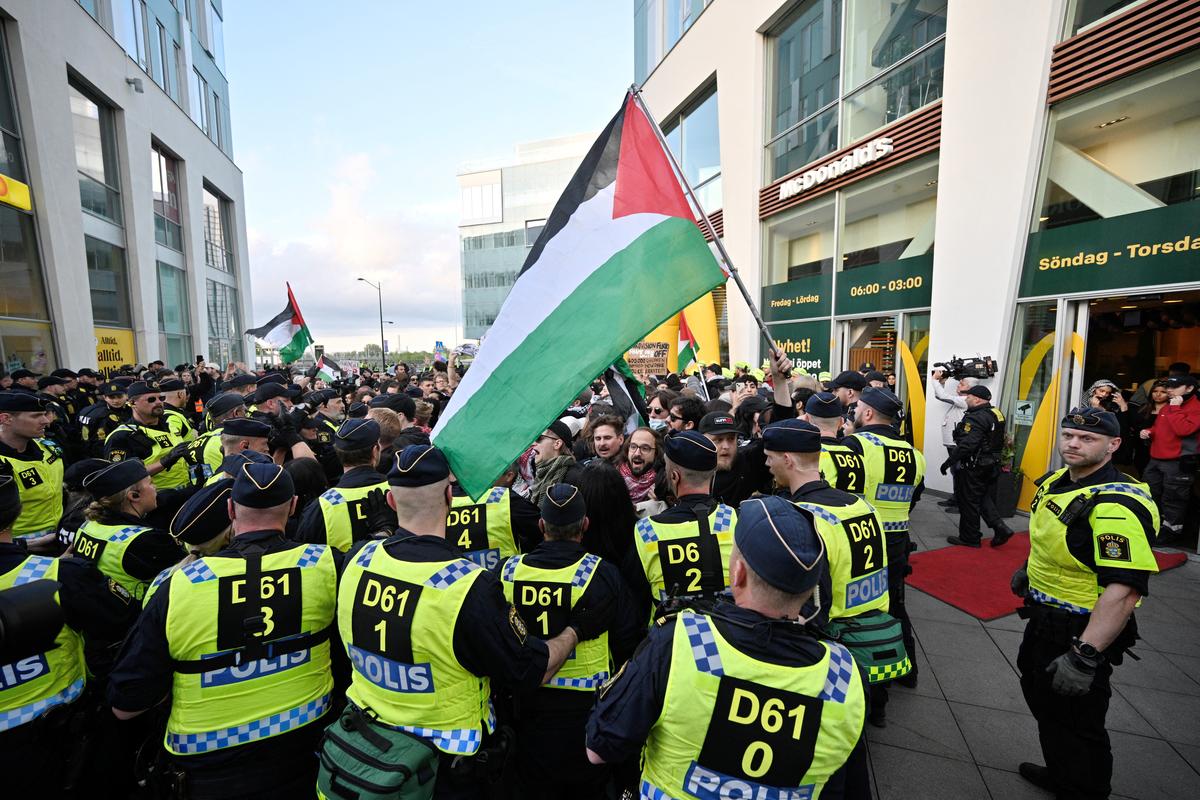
(1090, 529)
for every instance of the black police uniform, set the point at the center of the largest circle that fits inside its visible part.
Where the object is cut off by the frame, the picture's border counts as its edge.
(96, 422)
(748, 474)
(630, 704)
(311, 527)
(978, 441)
(485, 644)
(59, 430)
(549, 722)
(36, 755)
(265, 768)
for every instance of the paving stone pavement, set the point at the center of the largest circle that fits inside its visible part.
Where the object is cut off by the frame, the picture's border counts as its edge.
(962, 732)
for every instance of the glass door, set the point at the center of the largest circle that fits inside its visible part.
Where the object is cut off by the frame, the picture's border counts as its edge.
(908, 377)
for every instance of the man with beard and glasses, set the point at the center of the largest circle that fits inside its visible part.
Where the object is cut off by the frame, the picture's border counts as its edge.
(639, 466)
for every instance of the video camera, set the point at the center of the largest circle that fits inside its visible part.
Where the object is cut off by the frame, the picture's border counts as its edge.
(982, 368)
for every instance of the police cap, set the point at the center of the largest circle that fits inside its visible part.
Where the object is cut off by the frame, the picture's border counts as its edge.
(262, 486)
(73, 475)
(21, 401)
(112, 389)
(140, 388)
(356, 434)
(875, 375)
(414, 392)
(691, 450)
(171, 385)
(205, 515)
(245, 426)
(232, 464)
(849, 380)
(1096, 420)
(778, 541)
(50, 380)
(21, 374)
(792, 436)
(10, 495)
(272, 377)
(400, 403)
(357, 410)
(242, 380)
(63, 372)
(224, 403)
(980, 391)
(88, 372)
(418, 465)
(320, 397)
(563, 505)
(717, 422)
(825, 405)
(882, 400)
(115, 478)
(267, 391)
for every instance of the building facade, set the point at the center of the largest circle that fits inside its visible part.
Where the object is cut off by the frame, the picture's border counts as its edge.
(908, 180)
(505, 204)
(130, 243)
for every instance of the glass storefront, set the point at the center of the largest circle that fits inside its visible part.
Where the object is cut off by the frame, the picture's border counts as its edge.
(224, 330)
(173, 323)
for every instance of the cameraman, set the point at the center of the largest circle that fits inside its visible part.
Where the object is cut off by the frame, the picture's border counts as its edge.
(979, 440)
(43, 720)
(955, 398)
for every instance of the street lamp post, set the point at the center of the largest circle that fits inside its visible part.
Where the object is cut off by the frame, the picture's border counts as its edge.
(382, 343)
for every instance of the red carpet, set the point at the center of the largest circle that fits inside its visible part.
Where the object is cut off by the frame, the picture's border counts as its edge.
(977, 580)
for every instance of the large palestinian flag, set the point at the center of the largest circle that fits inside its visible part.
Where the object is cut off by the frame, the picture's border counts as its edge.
(620, 253)
(286, 332)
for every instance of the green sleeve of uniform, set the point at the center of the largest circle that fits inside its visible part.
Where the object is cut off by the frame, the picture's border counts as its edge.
(1120, 538)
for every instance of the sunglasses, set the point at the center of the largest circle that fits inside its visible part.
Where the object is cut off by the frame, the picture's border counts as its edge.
(675, 418)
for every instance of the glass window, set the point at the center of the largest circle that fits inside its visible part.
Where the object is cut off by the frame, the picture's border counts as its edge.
(216, 36)
(21, 291)
(800, 245)
(483, 202)
(880, 33)
(109, 283)
(890, 218)
(215, 133)
(1086, 12)
(680, 14)
(168, 221)
(224, 324)
(96, 156)
(26, 345)
(199, 100)
(695, 140)
(1124, 148)
(533, 229)
(218, 245)
(89, 6)
(172, 300)
(804, 143)
(647, 37)
(12, 163)
(805, 56)
(914, 84)
(162, 65)
(131, 29)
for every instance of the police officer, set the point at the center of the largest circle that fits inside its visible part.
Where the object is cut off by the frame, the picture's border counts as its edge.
(684, 551)
(855, 584)
(201, 526)
(45, 679)
(978, 441)
(340, 517)
(98, 420)
(204, 453)
(841, 462)
(1090, 530)
(243, 384)
(52, 390)
(498, 525)
(86, 388)
(272, 403)
(894, 473)
(175, 411)
(148, 436)
(545, 585)
(117, 534)
(741, 701)
(435, 591)
(34, 462)
(240, 641)
(330, 411)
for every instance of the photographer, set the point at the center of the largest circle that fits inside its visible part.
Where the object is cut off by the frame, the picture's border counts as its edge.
(954, 396)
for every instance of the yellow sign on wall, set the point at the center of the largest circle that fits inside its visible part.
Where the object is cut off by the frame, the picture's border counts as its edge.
(114, 347)
(15, 193)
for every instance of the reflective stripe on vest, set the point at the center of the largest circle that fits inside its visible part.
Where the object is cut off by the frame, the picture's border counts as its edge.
(894, 468)
(105, 546)
(676, 560)
(342, 510)
(39, 484)
(856, 554)
(735, 726)
(482, 531)
(1056, 577)
(253, 699)
(33, 685)
(535, 592)
(395, 618)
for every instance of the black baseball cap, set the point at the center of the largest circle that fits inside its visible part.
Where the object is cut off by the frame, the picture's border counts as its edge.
(717, 422)
(849, 379)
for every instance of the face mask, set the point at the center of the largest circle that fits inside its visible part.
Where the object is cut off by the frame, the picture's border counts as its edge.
(658, 424)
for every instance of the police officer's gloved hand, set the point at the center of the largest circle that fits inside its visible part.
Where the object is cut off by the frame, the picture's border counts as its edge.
(1020, 582)
(380, 517)
(283, 434)
(946, 466)
(1072, 674)
(589, 622)
(173, 455)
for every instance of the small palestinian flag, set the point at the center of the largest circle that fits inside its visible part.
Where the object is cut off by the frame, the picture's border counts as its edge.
(619, 254)
(687, 345)
(286, 332)
(328, 369)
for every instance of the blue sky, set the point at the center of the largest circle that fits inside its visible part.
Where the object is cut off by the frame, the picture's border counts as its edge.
(350, 120)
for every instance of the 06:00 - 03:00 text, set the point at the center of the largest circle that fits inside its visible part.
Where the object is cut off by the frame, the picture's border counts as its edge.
(896, 285)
